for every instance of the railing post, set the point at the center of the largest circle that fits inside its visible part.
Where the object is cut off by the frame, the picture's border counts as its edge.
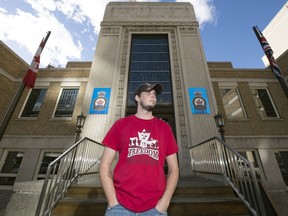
(42, 194)
(48, 198)
(248, 190)
(260, 206)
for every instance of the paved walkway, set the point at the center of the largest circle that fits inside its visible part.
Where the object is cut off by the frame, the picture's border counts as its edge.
(183, 181)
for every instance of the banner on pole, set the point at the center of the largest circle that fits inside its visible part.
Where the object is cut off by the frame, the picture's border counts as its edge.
(100, 101)
(199, 102)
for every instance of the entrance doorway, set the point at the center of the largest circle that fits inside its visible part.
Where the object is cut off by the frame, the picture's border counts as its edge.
(150, 63)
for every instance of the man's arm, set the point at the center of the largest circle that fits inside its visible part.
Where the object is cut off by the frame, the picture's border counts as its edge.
(172, 180)
(106, 176)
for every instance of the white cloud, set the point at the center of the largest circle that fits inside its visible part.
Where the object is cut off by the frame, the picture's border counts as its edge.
(81, 11)
(205, 11)
(26, 28)
(42, 6)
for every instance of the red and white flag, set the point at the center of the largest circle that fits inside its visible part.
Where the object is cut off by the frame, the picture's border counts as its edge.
(31, 74)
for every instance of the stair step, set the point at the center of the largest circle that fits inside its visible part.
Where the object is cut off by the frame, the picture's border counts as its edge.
(179, 199)
(199, 198)
(205, 191)
(216, 199)
(179, 206)
(207, 206)
(94, 192)
(86, 191)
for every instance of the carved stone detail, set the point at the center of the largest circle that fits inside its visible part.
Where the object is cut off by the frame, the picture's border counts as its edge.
(110, 30)
(147, 12)
(122, 74)
(188, 30)
(179, 91)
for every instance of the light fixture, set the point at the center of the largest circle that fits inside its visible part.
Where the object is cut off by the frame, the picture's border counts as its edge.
(219, 120)
(80, 120)
(79, 124)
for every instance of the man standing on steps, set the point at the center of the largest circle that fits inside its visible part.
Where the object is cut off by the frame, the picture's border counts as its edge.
(139, 185)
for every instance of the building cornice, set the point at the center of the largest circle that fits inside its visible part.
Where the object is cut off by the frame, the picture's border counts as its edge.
(247, 80)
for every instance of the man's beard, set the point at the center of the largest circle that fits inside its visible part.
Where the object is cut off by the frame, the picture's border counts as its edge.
(148, 108)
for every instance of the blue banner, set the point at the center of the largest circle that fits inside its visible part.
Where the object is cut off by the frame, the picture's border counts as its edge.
(199, 102)
(100, 101)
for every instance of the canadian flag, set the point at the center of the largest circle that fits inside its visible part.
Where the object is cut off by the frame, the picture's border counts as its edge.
(31, 74)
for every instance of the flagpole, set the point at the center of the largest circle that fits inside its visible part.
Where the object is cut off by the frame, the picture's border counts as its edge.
(11, 110)
(35, 63)
(284, 86)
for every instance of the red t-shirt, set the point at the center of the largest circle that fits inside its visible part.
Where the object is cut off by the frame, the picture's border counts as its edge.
(143, 145)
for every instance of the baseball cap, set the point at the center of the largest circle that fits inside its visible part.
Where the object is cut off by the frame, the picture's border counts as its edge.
(146, 87)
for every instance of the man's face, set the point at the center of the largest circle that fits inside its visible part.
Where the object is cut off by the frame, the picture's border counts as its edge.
(147, 100)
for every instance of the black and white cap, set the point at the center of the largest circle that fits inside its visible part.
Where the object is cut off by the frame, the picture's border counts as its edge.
(146, 87)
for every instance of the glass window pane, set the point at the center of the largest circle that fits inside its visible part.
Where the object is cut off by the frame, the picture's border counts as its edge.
(282, 159)
(66, 103)
(7, 181)
(34, 103)
(232, 103)
(249, 155)
(150, 62)
(12, 162)
(264, 103)
(253, 157)
(47, 159)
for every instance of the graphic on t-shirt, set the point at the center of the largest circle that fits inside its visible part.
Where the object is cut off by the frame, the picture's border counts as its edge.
(143, 145)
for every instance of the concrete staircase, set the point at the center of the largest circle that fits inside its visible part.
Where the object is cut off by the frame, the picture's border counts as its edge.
(193, 196)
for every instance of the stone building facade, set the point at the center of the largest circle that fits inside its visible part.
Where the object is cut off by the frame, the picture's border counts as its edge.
(251, 101)
(32, 135)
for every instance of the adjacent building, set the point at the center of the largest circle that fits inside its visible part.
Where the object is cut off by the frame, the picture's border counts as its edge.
(276, 33)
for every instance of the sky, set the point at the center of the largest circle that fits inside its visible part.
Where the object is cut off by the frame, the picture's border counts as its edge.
(225, 28)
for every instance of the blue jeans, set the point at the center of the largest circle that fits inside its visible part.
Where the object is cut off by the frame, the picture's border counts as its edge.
(122, 211)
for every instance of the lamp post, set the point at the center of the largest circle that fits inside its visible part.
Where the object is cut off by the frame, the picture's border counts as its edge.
(80, 123)
(219, 120)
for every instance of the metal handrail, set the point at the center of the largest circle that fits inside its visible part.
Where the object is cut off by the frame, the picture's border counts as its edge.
(69, 168)
(216, 157)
